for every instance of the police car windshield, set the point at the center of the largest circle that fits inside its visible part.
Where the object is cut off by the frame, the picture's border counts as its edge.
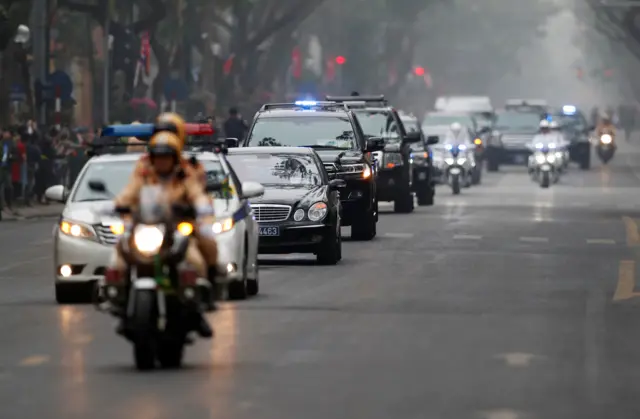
(379, 124)
(281, 169)
(517, 121)
(334, 132)
(116, 175)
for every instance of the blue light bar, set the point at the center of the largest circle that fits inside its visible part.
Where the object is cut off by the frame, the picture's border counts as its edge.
(569, 110)
(135, 130)
(549, 118)
(306, 103)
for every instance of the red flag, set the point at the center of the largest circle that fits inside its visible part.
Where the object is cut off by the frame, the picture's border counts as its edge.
(145, 52)
(228, 65)
(296, 63)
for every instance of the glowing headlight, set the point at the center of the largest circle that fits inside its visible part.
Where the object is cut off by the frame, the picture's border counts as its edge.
(541, 158)
(539, 146)
(223, 226)
(77, 230)
(449, 160)
(558, 155)
(606, 139)
(461, 160)
(551, 158)
(148, 239)
(317, 211)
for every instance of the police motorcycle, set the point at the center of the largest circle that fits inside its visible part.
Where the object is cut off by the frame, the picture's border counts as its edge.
(459, 166)
(562, 146)
(544, 165)
(605, 147)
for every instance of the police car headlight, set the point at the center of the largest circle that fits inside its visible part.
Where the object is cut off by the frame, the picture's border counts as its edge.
(606, 139)
(223, 226)
(77, 230)
(449, 160)
(541, 158)
(317, 211)
(461, 161)
(148, 239)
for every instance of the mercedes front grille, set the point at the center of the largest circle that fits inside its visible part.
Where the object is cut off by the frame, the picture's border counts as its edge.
(271, 212)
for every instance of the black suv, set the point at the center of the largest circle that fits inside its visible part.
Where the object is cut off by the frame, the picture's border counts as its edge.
(394, 166)
(422, 156)
(333, 131)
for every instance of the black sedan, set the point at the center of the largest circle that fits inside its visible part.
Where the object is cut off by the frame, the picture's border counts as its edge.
(300, 209)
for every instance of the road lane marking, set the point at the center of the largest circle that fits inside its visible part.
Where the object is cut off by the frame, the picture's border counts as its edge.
(501, 414)
(534, 239)
(633, 237)
(466, 237)
(626, 281)
(517, 359)
(34, 361)
(399, 235)
(600, 241)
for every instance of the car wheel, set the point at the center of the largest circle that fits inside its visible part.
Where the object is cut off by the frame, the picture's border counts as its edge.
(492, 164)
(585, 163)
(404, 204)
(75, 293)
(238, 289)
(253, 284)
(476, 177)
(364, 228)
(330, 248)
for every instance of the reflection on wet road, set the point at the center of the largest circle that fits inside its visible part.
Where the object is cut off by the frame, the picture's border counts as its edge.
(506, 300)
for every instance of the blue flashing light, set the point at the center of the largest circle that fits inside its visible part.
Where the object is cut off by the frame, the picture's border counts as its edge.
(132, 130)
(306, 103)
(549, 118)
(569, 110)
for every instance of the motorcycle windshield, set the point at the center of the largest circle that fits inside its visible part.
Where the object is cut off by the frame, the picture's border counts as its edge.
(154, 207)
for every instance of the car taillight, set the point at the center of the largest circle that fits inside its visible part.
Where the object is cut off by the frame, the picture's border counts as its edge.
(112, 276)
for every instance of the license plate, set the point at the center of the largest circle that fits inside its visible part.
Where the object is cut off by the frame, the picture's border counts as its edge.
(422, 176)
(519, 159)
(270, 231)
(455, 171)
(546, 167)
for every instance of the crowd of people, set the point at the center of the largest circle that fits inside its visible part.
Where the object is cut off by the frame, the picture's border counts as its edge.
(33, 159)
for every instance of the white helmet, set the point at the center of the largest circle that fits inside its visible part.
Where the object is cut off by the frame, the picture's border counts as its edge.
(456, 127)
(554, 125)
(544, 124)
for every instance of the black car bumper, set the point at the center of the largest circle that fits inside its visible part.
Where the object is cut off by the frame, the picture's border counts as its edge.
(292, 237)
(518, 157)
(391, 183)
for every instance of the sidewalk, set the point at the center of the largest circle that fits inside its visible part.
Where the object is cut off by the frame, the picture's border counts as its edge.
(37, 211)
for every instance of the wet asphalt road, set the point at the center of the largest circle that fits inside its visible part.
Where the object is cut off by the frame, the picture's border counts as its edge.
(505, 302)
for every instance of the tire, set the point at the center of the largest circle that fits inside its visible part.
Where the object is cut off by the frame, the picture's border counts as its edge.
(364, 228)
(330, 250)
(492, 164)
(585, 163)
(404, 204)
(143, 325)
(170, 354)
(545, 180)
(425, 198)
(455, 184)
(238, 290)
(253, 284)
(71, 293)
(476, 177)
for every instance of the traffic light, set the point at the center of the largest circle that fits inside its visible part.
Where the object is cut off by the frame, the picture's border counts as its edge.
(340, 60)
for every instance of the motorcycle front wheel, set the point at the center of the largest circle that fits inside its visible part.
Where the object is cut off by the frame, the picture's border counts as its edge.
(143, 324)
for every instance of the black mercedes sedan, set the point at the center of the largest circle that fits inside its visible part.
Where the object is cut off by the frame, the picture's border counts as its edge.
(300, 209)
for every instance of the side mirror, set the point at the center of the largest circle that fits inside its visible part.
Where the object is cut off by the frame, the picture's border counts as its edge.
(252, 190)
(56, 193)
(433, 139)
(412, 137)
(232, 142)
(375, 144)
(336, 184)
(98, 186)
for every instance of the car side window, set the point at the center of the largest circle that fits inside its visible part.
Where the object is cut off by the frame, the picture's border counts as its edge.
(321, 169)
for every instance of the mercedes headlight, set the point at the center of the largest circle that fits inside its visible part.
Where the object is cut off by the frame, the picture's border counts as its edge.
(541, 158)
(449, 160)
(317, 211)
(223, 226)
(461, 161)
(78, 230)
(148, 239)
(606, 139)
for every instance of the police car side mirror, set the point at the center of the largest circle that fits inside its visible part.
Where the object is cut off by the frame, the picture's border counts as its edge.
(412, 137)
(433, 139)
(375, 144)
(232, 142)
(56, 193)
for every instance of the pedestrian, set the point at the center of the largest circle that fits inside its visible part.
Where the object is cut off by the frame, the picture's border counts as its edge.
(7, 152)
(45, 173)
(17, 165)
(34, 156)
(235, 126)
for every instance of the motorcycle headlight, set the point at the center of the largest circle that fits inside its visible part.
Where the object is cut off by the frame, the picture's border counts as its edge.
(317, 211)
(541, 158)
(78, 230)
(606, 139)
(461, 161)
(148, 239)
(558, 155)
(223, 226)
(449, 160)
(551, 158)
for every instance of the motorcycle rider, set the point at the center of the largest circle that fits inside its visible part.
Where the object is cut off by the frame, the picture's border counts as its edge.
(545, 127)
(185, 182)
(606, 126)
